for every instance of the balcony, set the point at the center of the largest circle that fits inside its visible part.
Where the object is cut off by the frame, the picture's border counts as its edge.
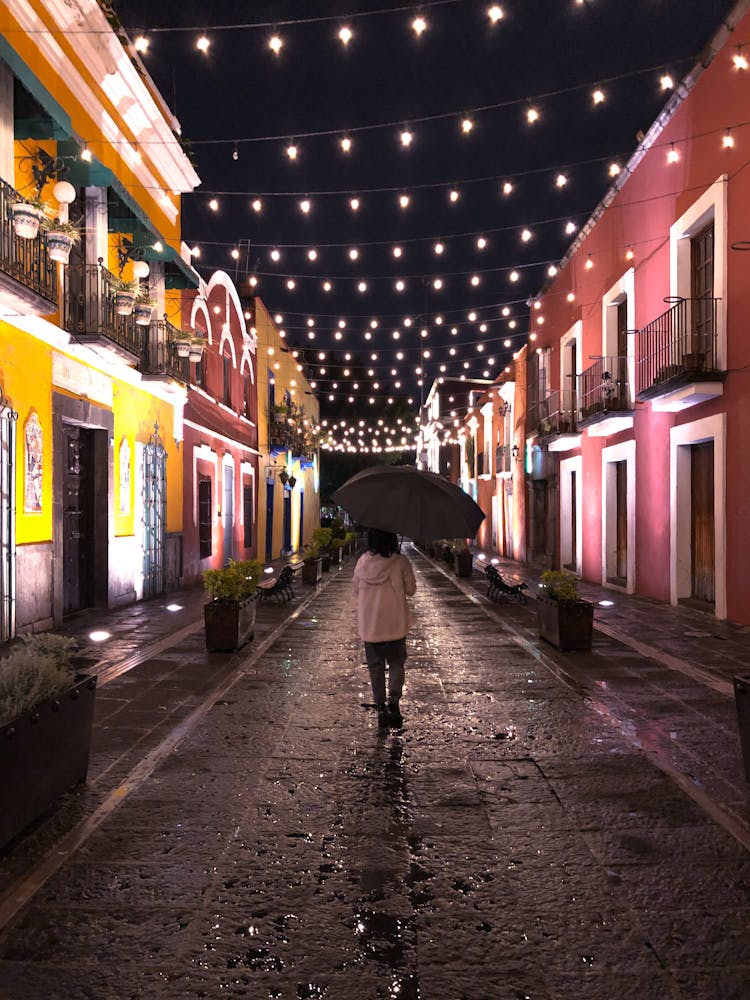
(677, 356)
(90, 318)
(159, 359)
(604, 402)
(555, 419)
(28, 278)
(287, 432)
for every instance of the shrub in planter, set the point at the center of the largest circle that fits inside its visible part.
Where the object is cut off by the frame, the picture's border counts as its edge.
(322, 538)
(143, 309)
(124, 292)
(462, 558)
(27, 215)
(46, 716)
(230, 614)
(312, 566)
(564, 619)
(336, 550)
(351, 542)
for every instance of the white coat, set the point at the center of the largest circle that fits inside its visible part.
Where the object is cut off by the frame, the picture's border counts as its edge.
(381, 586)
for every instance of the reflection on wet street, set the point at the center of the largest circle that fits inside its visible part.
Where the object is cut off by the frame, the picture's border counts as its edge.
(513, 840)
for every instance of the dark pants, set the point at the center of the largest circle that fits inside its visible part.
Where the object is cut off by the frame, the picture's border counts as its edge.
(394, 654)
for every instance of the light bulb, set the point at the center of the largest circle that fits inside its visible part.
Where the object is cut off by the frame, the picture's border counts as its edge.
(614, 169)
(404, 201)
(418, 25)
(467, 125)
(495, 13)
(305, 206)
(598, 96)
(291, 151)
(327, 286)
(257, 205)
(666, 81)
(275, 255)
(345, 35)
(291, 284)
(507, 188)
(551, 271)
(570, 228)
(526, 235)
(275, 44)
(213, 205)
(740, 62)
(353, 253)
(437, 284)
(312, 254)
(454, 196)
(475, 280)
(571, 297)
(354, 204)
(406, 137)
(514, 276)
(481, 243)
(141, 44)
(203, 44)
(532, 116)
(673, 155)
(397, 251)
(438, 248)
(561, 180)
(346, 144)
(728, 140)
(235, 254)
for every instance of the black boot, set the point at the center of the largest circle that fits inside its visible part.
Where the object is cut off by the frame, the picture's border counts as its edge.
(394, 715)
(384, 718)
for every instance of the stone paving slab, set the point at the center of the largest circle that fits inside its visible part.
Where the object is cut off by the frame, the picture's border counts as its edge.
(511, 841)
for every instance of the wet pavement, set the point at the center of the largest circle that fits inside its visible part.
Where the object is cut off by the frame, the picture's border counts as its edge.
(545, 825)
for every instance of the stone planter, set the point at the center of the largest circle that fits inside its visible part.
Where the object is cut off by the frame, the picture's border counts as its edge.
(59, 246)
(195, 353)
(183, 348)
(312, 571)
(229, 624)
(142, 314)
(566, 624)
(463, 563)
(43, 753)
(124, 303)
(26, 220)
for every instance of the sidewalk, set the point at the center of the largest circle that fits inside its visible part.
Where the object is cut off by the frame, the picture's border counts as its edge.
(513, 840)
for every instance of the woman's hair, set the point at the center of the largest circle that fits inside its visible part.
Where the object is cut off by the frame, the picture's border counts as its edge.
(382, 543)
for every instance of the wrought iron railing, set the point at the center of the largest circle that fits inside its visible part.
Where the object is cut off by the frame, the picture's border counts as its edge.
(603, 388)
(159, 356)
(679, 344)
(26, 261)
(554, 415)
(89, 308)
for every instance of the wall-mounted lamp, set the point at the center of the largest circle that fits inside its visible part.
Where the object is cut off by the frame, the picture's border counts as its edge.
(504, 408)
(270, 475)
(292, 482)
(515, 451)
(284, 477)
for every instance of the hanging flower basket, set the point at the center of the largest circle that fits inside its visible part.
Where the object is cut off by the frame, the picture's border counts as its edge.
(195, 353)
(124, 303)
(26, 219)
(183, 348)
(143, 312)
(59, 245)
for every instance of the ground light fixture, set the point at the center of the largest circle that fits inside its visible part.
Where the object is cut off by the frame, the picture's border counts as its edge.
(100, 636)
(174, 607)
(606, 604)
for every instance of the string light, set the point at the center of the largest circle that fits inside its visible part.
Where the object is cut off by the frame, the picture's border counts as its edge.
(507, 188)
(614, 169)
(141, 44)
(312, 253)
(673, 155)
(275, 44)
(495, 13)
(406, 138)
(481, 243)
(532, 116)
(666, 82)
(418, 25)
(404, 200)
(257, 205)
(526, 235)
(213, 205)
(305, 206)
(598, 96)
(454, 196)
(561, 180)
(346, 144)
(467, 125)
(739, 60)
(570, 228)
(727, 141)
(345, 35)
(203, 44)
(354, 204)
(291, 151)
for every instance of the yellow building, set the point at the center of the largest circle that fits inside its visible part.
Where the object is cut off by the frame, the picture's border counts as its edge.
(92, 390)
(288, 419)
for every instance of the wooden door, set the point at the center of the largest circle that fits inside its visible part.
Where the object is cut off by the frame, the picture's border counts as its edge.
(702, 290)
(228, 514)
(78, 519)
(573, 523)
(702, 531)
(621, 563)
(539, 518)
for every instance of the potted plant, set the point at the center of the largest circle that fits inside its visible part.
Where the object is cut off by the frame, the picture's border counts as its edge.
(27, 215)
(336, 550)
(351, 542)
(322, 538)
(564, 618)
(182, 345)
(61, 237)
(462, 558)
(230, 614)
(196, 347)
(143, 308)
(124, 293)
(312, 564)
(46, 716)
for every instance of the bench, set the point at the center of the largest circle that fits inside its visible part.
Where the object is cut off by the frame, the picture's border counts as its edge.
(499, 588)
(279, 586)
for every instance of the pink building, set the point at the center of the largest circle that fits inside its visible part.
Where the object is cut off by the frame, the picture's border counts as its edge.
(220, 479)
(637, 434)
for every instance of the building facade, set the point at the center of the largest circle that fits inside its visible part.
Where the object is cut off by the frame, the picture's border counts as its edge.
(220, 453)
(91, 396)
(288, 436)
(637, 376)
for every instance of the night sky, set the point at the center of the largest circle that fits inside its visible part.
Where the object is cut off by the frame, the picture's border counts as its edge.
(547, 54)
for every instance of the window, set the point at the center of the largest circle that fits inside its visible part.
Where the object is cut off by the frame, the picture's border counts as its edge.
(204, 518)
(246, 397)
(247, 513)
(227, 395)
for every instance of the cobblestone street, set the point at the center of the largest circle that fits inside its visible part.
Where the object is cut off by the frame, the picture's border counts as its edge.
(247, 830)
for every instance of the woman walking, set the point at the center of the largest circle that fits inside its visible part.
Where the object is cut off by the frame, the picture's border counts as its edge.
(383, 579)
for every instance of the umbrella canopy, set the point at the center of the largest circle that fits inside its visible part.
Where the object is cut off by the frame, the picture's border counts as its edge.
(409, 502)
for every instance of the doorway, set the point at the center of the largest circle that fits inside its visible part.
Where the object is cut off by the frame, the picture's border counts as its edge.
(154, 515)
(8, 423)
(702, 526)
(78, 518)
(228, 514)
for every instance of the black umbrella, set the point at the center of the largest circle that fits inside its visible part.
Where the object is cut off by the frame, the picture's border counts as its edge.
(409, 502)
